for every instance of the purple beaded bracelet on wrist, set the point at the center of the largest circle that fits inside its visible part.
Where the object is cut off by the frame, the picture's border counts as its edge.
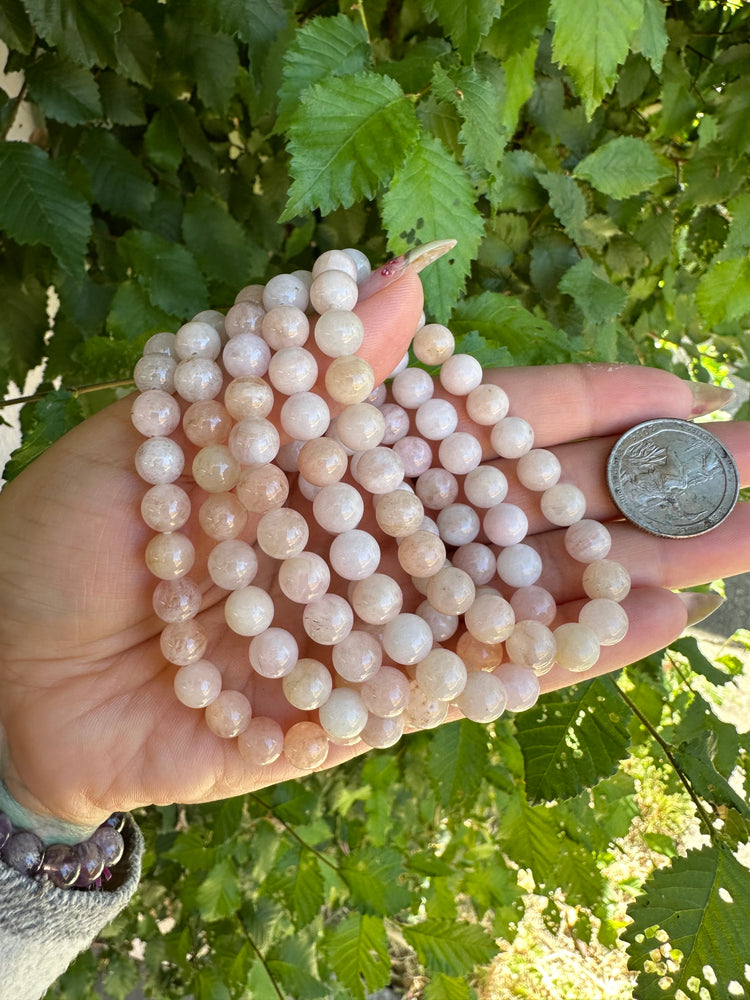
(67, 866)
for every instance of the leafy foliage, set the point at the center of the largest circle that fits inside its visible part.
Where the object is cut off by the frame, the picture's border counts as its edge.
(591, 158)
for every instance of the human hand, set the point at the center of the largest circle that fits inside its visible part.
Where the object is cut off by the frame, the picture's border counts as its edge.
(91, 720)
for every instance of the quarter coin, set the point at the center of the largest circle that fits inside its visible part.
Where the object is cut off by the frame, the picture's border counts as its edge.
(672, 478)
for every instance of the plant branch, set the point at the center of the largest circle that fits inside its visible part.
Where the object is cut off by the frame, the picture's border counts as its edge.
(256, 949)
(74, 390)
(293, 833)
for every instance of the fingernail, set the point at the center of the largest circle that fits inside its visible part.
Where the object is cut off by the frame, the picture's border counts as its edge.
(418, 258)
(700, 606)
(708, 397)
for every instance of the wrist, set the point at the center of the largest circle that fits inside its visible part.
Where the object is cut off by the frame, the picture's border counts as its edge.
(50, 829)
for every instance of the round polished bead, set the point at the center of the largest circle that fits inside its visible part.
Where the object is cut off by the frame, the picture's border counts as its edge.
(23, 852)
(378, 396)
(587, 541)
(155, 413)
(273, 653)
(349, 379)
(262, 489)
(322, 461)
(229, 714)
(293, 369)
(421, 554)
(183, 642)
(433, 344)
(361, 262)
(159, 460)
(512, 437)
(412, 387)
(282, 533)
(577, 647)
(155, 371)
(380, 733)
(486, 404)
(246, 354)
(485, 486)
(357, 657)
(333, 290)
(424, 711)
(198, 684)
(533, 603)
(538, 469)
(403, 363)
(436, 488)
(460, 374)
(306, 746)
(92, 864)
(532, 644)
(606, 578)
(61, 864)
(396, 421)
(343, 715)
(415, 454)
(458, 524)
(308, 685)
(328, 619)
(479, 655)
(176, 600)
(399, 513)
(198, 378)
(248, 611)
(460, 453)
(245, 316)
(286, 290)
(484, 698)
(222, 516)
(521, 686)
(354, 555)
(305, 415)
(261, 741)
(360, 426)
(161, 343)
(386, 693)
(563, 504)
(304, 577)
(519, 565)
(197, 340)
(505, 524)
(254, 441)
(476, 559)
(170, 555)
(285, 326)
(490, 619)
(436, 419)
(441, 625)
(165, 507)
(338, 507)
(250, 293)
(377, 599)
(232, 564)
(378, 470)
(215, 469)
(407, 639)
(207, 422)
(248, 396)
(441, 674)
(335, 260)
(339, 332)
(606, 618)
(451, 591)
(215, 319)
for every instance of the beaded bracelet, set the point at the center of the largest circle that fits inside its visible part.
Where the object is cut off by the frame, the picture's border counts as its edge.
(66, 866)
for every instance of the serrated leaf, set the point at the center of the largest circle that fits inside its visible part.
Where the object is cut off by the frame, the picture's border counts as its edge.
(458, 756)
(692, 912)
(257, 22)
(54, 415)
(122, 102)
(210, 58)
(695, 760)
(478, 101)
(519, 25)
(222, 247)
(723, 292)
(519, 86)
(219, 892)
(83, 29)
(566, 201)
(572, 738)
(591, 39)
(132, 314)
(431, 198)
(325, 46)
(442, 987)
(597, 298)
(465, 23)
(23, 323)
(502, 320)
(135, 47)
(297, 880)
(372, 875)
(296, 982)
(688, 647)
(167, 272)
(120, 184)
(64, 91)
(651, 38)
(346, 139)
(449, 947)
(38, 204)
(16, 29)
(357, 951)
(190, 849)
(162, 142)
(622, 167)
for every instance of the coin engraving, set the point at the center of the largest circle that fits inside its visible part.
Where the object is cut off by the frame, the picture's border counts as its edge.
(672, 478)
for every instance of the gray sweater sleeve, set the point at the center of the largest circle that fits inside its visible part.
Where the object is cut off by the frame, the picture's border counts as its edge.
(42, 928)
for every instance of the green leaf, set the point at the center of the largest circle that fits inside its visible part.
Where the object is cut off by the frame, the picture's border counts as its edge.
(210, 59)
(191, 850)
(688, 647)
(519, 25)
(591, 39)
(431, 198)
(297, 982)
(296, 878)
(465, 23)
(448, 947)
(257, 22)
(54, 415)
(325, 46)
(136, 48)
(442, 987)
(132, 314)
(695, 760)
(163, 143)
(503, 321)
(692, 911)
(64, 91)
(479, 103)
(346, 140)
(372, 875)
(566, 201)
(121, 101)
(23, 323)
(167, 271)
(219, 892)
(723, 292)
(572, 738)
(221, 246)
(38, 204)
(458, 756)
(623, 167)
(16, 29)
(651, 39)
(357, 950)
(85, 30)
(120, 184)
(595, 296)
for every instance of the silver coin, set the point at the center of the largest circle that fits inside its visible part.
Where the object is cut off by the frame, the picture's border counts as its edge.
(672, 478)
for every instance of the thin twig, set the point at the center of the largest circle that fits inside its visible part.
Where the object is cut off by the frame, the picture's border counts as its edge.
(74, 391)
(293, 833)
(263, 962)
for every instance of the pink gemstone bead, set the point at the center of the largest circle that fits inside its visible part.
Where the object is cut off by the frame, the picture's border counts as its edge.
(282, 533)
(286, 290)
(442, 626)
(207, 422)
(538, 469)
(512, 437)
(248, 396)
(386, 694)
(183, 642)
(215, 469)
(532, 644)
(606, 578)
(563, 504)
(292, 369)
(460, 453)
(485, 486)
(412, 387)
(254, 441)
(248, 611)
(587, 541)
(377, 599)
(349, 379)
(505, 524)
(250, 293)
(360, 426)
(460, 374)
(436, 488)
(274, 653)
(333, 290)
(486, 404)
(424, 711)
(222, 516)
(261, 742)
(232, 564)
(305, 415)
(577, 647)
(484, 698)
(379, 470)
(357, 657)
(165, 507)
(354, 555)
(433, 344)
(159, 460)
(343, 715)
(458, 524)
(606, 618)
(338, 507)
(229, 714)
(246, 354)
(306, 746)
(177, 600)
(244, 317)
(521, 686)
(308, 685)
(478, 655)
(197, 339)
(155, 371)
(382, 733)
(441, 674)
(339, 332)
(328, 619)
(170, 555)
(399, 513)
(407, 639)
(322, 461)
(198, 378)
(396, 421)
(476, 559)
(198, 684)
(421, 554)
(534, 603)
(304, 577)
(262, 489)
(436, 419)
(155, 413)
(451, 591)
(519, 565)
(285, 326)
(335, 260)
(490, 619)
(415, 454)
